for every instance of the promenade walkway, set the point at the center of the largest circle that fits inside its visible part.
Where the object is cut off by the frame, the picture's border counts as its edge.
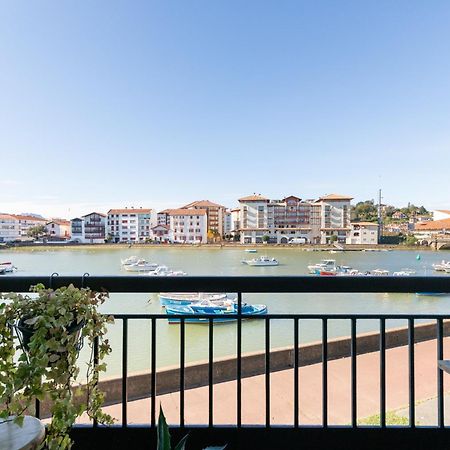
(339, 393)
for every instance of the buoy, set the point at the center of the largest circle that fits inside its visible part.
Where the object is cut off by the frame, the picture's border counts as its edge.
(418, 257)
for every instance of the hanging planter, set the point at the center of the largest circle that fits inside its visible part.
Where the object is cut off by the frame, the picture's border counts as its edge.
(40, 338)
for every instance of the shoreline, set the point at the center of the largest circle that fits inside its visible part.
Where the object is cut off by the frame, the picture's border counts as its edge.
(300, 247)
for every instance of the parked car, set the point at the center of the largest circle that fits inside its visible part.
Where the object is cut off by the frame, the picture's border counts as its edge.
(297, 240)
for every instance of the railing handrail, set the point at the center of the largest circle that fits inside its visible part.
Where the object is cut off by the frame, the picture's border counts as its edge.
(248, 284)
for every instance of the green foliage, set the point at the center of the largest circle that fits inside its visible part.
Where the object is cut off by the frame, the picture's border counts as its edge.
(164, 436)
(37, 231)
(333, 238)
(365, 211)
(265, 238)
(410, 240)
(391, 419)
(48, 370)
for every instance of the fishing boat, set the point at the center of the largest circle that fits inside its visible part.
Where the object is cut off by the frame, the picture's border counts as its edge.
(251, 250)
(261, 261)
(220, 311)
(8, 267)
(187, 298)
(164, 271)
(140, 265)
(324, 265)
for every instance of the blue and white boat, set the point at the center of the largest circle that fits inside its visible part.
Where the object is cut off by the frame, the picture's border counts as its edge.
(187, 298)
(221, 311)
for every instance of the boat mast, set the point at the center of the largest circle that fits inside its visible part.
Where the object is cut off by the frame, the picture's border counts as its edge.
(380, 217)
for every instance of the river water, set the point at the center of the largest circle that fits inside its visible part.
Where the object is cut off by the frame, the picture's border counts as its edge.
(227, 261)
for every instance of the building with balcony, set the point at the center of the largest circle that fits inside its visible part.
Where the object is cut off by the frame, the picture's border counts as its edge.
(130, 224)
(27, 221)
(316, 221)
(89, 229)
(188, 225)
(363, 233)
(215, 215)
(9, 228)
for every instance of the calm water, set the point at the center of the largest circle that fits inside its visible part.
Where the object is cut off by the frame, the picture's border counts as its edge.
(216, 261)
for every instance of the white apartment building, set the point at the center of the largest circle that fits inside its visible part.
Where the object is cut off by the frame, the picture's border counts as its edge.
(188, 225)
(316, 221)
(130, 224)
(363, 233)
(441, 214)
(89, 229)
(227, 223)
(215, 215)
(58, 228)
(9, 228)
(26, 222)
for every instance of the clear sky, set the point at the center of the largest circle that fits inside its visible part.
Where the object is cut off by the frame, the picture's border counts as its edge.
(158, 103)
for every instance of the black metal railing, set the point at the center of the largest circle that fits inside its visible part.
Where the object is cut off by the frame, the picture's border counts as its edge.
(239, 433)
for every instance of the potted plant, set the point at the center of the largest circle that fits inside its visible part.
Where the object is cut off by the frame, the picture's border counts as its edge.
(40, 337)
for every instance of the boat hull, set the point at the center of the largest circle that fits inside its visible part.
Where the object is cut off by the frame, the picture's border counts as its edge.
(168, 299)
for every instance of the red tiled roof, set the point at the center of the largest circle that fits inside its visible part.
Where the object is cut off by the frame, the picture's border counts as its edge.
(254, 198)
(335, 197)
(130, 210)
(59, 222)
(36, 219)
(7, 216)
(203, 203)
(433, 225)
(94, 212)
(186, 212)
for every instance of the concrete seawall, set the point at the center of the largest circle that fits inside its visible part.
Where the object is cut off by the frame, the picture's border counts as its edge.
(224, 369)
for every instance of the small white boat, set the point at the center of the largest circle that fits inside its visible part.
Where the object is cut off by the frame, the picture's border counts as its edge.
(251, 250)
(140, 266)
(261, 261)
(164, 271)
(7, 267)
(129, 260)
(404, 273)
(326, 265)
(380, 272)
(186, 298)
(442, 267)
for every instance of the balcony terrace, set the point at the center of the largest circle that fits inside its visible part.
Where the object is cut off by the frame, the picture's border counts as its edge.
(280, 415)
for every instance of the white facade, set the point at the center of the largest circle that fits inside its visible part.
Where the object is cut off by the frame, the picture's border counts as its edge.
(188, 225)
(363, 233)
(131, 224)
(88, 229)
(441, 214)
(27, 222)
(58, 229)
(9, 228)
(227, 223)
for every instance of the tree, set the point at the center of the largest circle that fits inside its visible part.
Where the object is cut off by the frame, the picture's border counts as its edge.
(333, 238)
(365, 211)
(37, 231)
(266, 238)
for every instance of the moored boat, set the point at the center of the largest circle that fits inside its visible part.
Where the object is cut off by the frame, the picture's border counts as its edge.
(164, 271)
(140, 265)
(220, 311)
(380, 272)
(7, 267)
(324, 265)
(261, 261)
(187, 298)
(443, 266)
(251, 250)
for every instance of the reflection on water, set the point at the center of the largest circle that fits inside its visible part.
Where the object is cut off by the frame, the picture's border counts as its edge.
(217, 261)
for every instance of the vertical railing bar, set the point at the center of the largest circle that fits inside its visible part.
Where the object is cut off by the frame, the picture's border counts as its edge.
(211, 374)
(267, 371)
(182, 359)
(239, 362)
(354, 374)
(412, 406)
(296, 384)
(324, 372)
(125, 373)
(96, 361)
(383, 373)
(440, 375)
(153, 378)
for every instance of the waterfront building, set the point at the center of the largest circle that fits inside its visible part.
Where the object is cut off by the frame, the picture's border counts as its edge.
(58, 229)
(315, 221)
(363, 233)
(227, 223)
(162, 233)
(398, 215)
(215, 215)
(26, 222)
(9, 228)
(426, 231)
(89, 229)
(188, 225)
(130, 224)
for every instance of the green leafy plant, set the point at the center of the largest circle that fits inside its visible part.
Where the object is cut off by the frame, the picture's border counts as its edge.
(43, 363)
(164, 436)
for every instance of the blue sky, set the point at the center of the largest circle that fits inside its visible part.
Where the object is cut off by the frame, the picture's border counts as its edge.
(159, 103)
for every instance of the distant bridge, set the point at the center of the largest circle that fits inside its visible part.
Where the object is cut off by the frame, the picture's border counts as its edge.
(438, 243)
